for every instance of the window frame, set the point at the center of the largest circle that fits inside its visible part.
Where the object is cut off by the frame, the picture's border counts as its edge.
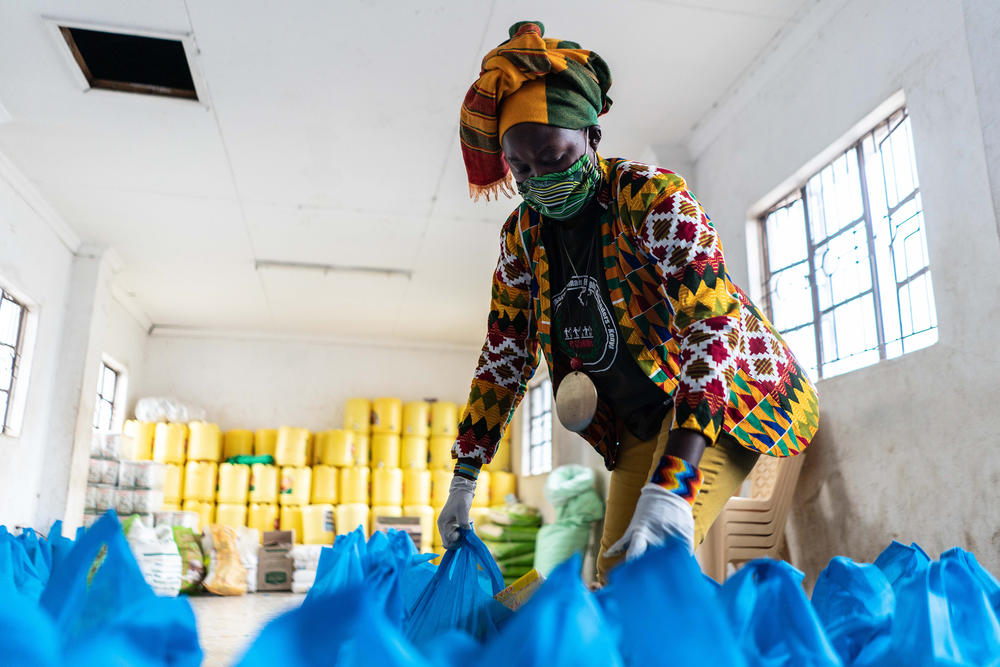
(10, 425)
(540, 385)
(118, 399)
(796, 191)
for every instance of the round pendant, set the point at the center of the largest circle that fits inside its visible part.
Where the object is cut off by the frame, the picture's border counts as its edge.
(576, 401)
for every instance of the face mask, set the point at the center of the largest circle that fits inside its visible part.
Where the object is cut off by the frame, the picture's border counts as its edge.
(563, 194)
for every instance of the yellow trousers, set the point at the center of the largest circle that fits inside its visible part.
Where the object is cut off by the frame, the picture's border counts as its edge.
(723, 466)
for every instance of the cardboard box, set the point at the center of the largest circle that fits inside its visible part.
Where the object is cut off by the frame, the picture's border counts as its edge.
(408, 524)
(274, 561)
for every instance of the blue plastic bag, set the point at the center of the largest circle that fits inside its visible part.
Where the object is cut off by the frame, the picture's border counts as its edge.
(944, 617)
(460, 595)
(899, 561)
(664, 592)
(61, 546)
(771, 617)
(644, 592)
(22, 565)
(389, 565)
(100, 605)
(344, 629)
(855, 604)
(561, 626)
(339, 566)
(988, 582)
(29, 637)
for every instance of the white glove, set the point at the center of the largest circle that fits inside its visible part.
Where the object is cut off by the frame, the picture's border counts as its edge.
(659, 514)
(455, 513)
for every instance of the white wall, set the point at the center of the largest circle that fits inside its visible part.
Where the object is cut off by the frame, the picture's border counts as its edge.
(36, 263)
(260, 383)
(906, 449)
(75, 320)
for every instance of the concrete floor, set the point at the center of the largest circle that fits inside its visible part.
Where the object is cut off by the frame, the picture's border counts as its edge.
(228, 625)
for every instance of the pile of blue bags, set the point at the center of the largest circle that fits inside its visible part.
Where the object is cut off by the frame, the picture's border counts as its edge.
(86, 603)
(377, 601)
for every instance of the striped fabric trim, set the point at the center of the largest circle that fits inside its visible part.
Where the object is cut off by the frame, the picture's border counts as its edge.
(466, 470)
(677, 475)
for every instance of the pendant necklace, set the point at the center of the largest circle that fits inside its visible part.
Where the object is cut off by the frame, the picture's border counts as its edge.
(576, 397)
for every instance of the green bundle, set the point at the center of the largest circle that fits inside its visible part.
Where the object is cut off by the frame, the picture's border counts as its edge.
(517, 514)
(504, 550)
(499, 533)
(516, 563)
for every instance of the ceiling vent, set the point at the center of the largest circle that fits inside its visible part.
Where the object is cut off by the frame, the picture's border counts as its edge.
(134, 63)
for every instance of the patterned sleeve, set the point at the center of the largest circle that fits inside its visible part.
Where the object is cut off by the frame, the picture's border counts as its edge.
(508, 358)
(681, 239)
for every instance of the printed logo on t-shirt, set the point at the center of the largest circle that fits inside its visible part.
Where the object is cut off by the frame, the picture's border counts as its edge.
(583, 326)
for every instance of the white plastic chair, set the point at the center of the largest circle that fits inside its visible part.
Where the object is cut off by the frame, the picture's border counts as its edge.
(752, 527)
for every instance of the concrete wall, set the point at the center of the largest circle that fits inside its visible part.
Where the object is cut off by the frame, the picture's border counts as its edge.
(254, 382)
(905, 448)
(35, 263)
(75, 320)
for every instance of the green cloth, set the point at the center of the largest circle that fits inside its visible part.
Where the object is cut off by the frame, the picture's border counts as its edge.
(266, 459)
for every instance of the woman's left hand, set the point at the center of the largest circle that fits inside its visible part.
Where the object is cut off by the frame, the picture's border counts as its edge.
(659, 515)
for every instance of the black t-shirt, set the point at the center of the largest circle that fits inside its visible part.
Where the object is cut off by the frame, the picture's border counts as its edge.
(584, 325)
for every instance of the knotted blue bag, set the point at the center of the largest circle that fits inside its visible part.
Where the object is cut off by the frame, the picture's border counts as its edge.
(663, 594)
(25, 565)
(101, 606)
(341, 629)
(460, 595)
(340, 566)
(61, 546)
(772, 618)
(561, 626)
(28, 637)
(944, 616)
(899, 561)
(855, 604)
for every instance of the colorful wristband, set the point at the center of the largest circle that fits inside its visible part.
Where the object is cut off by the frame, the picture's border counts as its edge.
(677, 475)
(467, 470)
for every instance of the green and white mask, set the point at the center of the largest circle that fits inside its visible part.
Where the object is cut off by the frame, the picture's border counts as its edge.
(563, 194)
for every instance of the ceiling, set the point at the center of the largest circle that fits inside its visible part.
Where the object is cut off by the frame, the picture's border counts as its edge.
(329, 136)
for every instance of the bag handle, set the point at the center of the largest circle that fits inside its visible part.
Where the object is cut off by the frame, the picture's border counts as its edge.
(483, 555)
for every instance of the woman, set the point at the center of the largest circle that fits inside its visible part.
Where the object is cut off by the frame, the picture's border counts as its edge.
(611, 269)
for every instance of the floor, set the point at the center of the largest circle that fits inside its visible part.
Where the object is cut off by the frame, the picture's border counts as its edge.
(228, 625)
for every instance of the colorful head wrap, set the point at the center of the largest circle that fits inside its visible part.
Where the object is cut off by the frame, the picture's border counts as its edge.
(527, 79)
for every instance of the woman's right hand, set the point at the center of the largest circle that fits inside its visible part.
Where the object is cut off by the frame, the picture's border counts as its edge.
(455, 513)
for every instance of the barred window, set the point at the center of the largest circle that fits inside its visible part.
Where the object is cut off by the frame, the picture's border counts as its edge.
(847, 275)
(537, 450)
(12, 321)
(107, 395)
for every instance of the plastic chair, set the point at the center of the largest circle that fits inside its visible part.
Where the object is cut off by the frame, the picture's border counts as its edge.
(753, 527)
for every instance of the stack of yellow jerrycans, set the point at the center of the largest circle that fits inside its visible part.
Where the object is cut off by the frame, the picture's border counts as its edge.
(495, 481)
(390, 459)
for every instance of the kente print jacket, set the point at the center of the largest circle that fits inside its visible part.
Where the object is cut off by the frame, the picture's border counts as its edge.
(691, 330)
